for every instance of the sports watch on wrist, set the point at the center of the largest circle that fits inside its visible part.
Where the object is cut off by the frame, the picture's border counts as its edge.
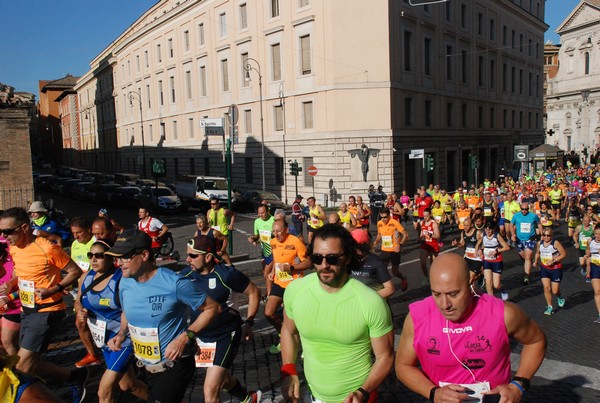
(190, 334)
(526, 383)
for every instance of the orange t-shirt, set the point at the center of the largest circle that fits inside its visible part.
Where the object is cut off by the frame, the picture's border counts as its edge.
(287, 252)
(389, 240)
(473, 201)
(39, 262)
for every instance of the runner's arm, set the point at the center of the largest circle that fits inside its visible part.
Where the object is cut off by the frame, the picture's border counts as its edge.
(231, 215)
(576, 236)
(505, 247)
(388, 289)
(562, 253)
(163, 231)
(114, 344)
(290, 341)
(253, 294)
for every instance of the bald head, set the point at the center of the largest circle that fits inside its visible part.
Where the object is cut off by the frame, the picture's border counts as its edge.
(449, 266)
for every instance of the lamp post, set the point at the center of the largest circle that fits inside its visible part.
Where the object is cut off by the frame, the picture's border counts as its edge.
(282, 105)
(136, 95)
(248, 67)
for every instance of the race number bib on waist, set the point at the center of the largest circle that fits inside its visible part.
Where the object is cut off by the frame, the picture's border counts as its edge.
(206, 357)
(146, 346)
(26, 293)
(490, 253)
(471, 253)
(596, 259)
(98, 331)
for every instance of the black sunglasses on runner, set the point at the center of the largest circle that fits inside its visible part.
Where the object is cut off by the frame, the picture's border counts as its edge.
(330, 259)
(97, 255)
(8, 231)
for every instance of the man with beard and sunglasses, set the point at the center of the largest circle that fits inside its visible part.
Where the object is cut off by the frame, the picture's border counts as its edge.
(339, 321)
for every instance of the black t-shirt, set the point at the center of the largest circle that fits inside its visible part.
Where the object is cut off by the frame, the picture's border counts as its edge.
(372, 272)
(219, 285)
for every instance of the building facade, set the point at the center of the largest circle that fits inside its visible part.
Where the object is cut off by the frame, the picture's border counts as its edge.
(573, 95)
(347, 87)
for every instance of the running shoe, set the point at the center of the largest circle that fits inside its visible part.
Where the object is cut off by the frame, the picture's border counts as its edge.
(88, 361)
(404, 284)
(504, 295)
(588, 279)
(481, 282)
(275, 348)
(78, 385)
(583, 272)
(253, 397)
(549, 311)
(597, 319)
(561, 302)
(525, 279)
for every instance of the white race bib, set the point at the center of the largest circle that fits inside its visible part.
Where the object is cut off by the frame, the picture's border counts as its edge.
(490, 253)
(478, 388)
(471, 253)
(85, 266)
(146, 346)
(584, 241)
(206, 357)
(596, 259)
(525, 227)
(26, 293)
(98, 331)
(216, 228)
(387, 242)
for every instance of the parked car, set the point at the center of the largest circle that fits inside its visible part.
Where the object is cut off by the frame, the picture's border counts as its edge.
(91, 177)
(167, 199)
(102, 194)
(126, 197)
(249, 201)
(81, 192)
(67, 187)
(125, 179)
(44, 181)
(197, 190)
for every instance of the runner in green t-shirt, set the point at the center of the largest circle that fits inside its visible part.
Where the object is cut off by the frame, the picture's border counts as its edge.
(339, 321)
(263, 232)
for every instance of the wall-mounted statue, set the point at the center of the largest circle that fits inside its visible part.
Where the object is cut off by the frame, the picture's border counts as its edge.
(364, 153)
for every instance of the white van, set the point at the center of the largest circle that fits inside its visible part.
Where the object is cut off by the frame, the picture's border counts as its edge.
(198, 190)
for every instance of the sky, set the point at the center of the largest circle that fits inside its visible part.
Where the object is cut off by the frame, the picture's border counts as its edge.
(46, 39)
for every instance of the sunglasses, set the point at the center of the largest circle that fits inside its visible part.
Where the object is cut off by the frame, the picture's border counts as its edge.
(126, 258)
(195, 255)
(8, 231)
(330, 259)
(384, 216)
(524, 209)
(546, 234)
(97, 255)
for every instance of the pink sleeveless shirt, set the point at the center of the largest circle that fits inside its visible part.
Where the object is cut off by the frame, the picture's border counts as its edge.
(480, 341)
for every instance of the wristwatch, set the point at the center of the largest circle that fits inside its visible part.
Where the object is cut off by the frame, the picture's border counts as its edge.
(190, 334)
(525, 383)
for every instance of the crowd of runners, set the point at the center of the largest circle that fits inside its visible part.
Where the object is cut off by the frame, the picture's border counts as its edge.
(152, 326)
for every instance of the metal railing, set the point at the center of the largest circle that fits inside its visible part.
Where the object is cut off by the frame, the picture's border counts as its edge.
(16, 196)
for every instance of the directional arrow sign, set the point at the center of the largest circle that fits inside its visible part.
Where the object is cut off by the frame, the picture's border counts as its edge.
(416, 154)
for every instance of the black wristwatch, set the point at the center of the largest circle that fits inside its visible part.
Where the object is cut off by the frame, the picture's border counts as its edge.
(525, 383)
(432, 393)
(190, 334)
(366, 395)
(249, 322)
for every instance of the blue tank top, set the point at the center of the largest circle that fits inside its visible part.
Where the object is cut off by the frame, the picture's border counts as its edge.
(102, 304)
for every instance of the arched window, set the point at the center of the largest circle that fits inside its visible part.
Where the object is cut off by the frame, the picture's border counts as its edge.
(586, 57)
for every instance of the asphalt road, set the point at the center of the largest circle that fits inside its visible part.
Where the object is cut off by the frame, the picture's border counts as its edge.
(570, 373)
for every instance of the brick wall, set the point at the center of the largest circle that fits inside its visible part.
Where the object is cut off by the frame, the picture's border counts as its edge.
(16, 181)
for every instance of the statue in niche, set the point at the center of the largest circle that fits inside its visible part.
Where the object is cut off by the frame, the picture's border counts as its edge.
(364, 153)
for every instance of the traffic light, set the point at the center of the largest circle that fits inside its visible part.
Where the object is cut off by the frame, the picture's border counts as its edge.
(159, 167)
(473, 162)
(429, 163)
(295, 169)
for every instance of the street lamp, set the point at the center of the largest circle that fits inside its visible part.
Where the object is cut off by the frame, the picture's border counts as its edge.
(248, 67)
(136, 95)
(282, 105)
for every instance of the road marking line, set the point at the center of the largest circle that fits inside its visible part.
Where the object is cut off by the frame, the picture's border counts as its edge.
(416, 260)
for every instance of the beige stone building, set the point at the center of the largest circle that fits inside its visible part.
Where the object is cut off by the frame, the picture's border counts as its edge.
(349, 87)
(573, 93)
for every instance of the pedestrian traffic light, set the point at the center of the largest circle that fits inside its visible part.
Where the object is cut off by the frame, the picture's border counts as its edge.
(429, 163)
(159, 167)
